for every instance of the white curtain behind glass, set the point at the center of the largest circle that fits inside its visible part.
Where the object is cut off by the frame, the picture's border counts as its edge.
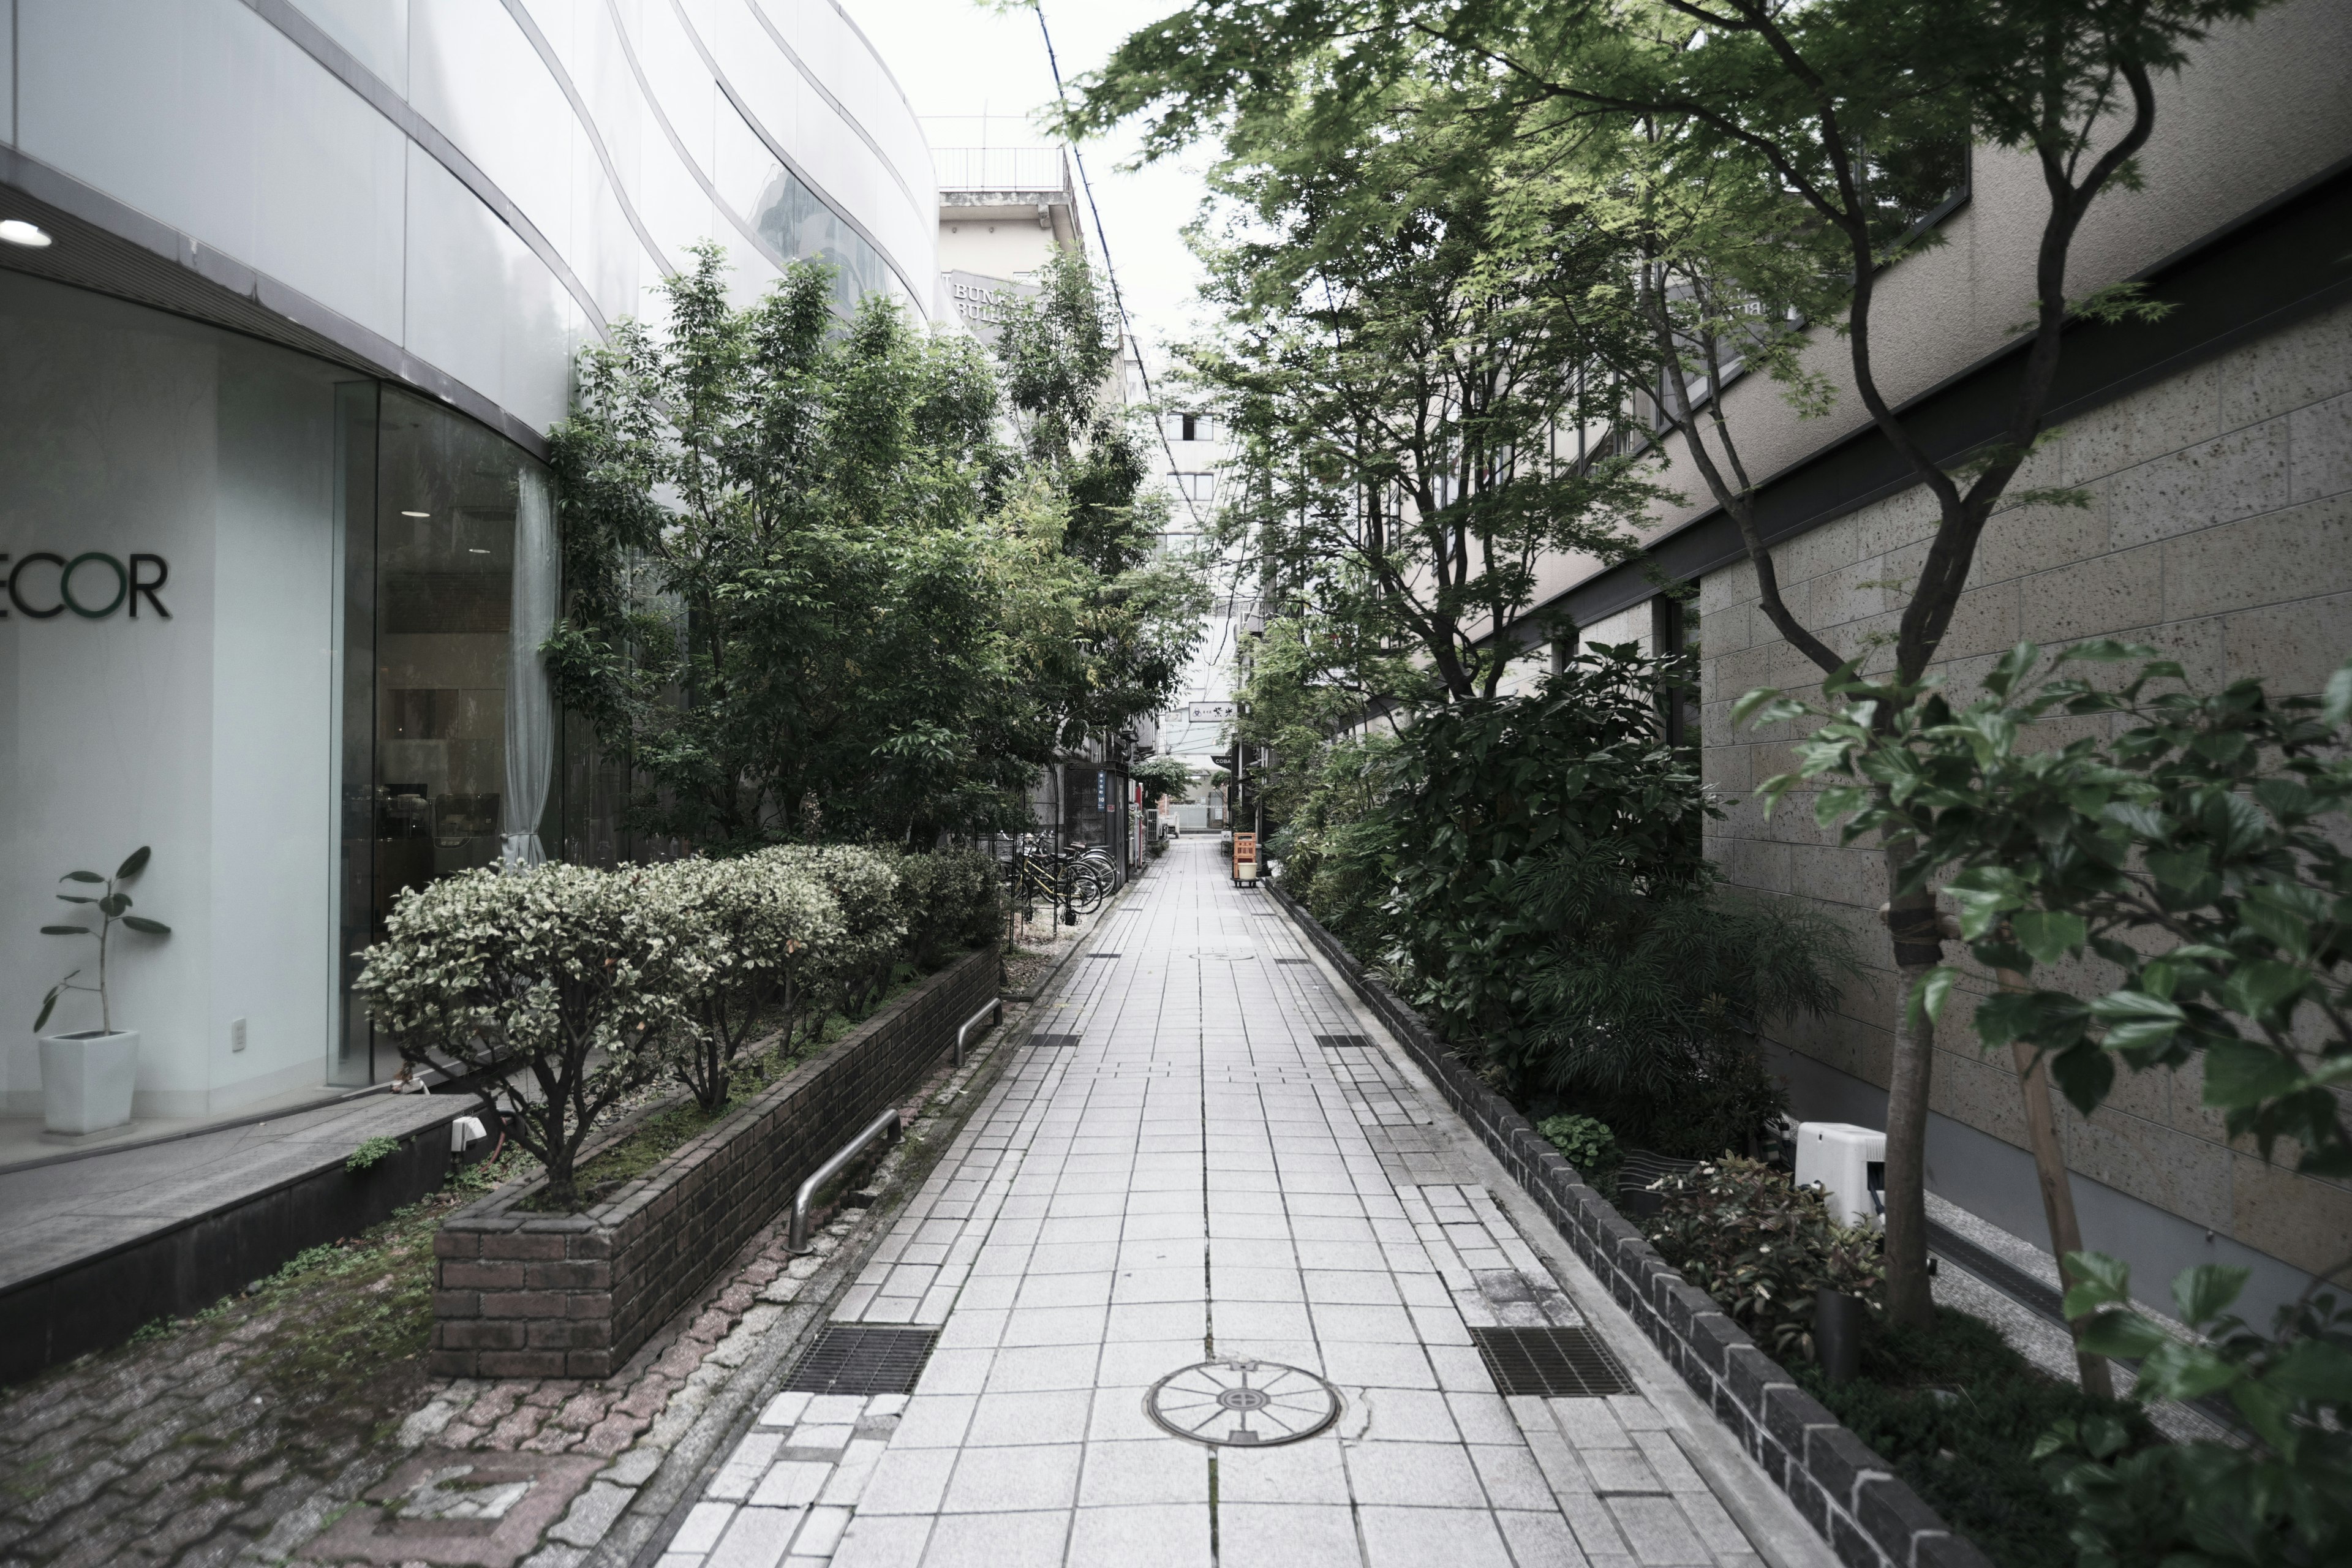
(530, 707)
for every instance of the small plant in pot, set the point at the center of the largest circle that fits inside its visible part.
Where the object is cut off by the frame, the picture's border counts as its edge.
(87, 1076)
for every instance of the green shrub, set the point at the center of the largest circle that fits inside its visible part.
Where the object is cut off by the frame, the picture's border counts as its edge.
(1956, 1410)
(755, 929)
(1644, 1001)
(1588, 1145)
(2279, 1497)
(863, 882)
(1536, 882)
(951, 900)
(1746, 1234)
(564, 977)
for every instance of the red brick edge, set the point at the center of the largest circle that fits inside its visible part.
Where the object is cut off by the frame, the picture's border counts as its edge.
(530, 1295)
(1853, 1500)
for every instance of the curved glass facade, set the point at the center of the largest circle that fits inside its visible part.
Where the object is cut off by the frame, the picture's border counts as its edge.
(272, 596)
(316, 696)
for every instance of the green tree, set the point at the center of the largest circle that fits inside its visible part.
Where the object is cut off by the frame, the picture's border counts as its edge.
(1841, 114)
(812, 592)
(785, 606)
(1128, 612)
(1407, 410)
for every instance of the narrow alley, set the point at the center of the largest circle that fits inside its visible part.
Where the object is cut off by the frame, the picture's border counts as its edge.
(1216, 1280)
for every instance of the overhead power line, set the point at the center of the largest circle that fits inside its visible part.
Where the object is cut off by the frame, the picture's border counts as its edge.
(1102, 238)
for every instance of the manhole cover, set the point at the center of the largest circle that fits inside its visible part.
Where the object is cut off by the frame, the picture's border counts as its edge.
(1244, 1404)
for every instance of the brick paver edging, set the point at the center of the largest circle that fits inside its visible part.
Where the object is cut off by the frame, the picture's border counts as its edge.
(530, 1295)
(1869, 1516)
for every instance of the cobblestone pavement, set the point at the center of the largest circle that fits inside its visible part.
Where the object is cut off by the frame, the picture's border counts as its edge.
(198, 1449)
(1203, 1154)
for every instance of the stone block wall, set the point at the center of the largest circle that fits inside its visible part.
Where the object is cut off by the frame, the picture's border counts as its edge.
(544, 1295)
(2220, 531)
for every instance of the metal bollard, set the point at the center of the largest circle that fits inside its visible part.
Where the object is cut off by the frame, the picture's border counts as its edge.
(796, 1240)
(995, 1006)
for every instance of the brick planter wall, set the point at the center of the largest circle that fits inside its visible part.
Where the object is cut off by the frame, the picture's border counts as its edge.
(543, 1295)
(1869, 1516)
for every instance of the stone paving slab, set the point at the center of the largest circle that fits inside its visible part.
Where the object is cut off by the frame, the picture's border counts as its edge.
(54, 1216)
(1225, 1164)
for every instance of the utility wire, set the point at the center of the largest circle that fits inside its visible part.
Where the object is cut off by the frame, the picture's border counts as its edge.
(1127, 324)
(1102, 238)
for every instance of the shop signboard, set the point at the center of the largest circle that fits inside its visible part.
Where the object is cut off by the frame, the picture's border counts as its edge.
(93, 584)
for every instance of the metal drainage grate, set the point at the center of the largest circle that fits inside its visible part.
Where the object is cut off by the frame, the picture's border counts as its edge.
(862, 1358)
(1052, 1042)
(1106, 955)
(1553, 1363)
(1294, 961)
(1344, 1042)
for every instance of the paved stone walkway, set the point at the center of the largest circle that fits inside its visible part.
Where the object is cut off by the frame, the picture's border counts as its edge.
(1202, 1153)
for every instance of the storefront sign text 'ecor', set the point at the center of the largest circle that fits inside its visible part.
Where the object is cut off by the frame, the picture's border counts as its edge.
(93, 584)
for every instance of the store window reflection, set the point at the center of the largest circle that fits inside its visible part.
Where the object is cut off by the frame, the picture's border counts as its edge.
(449, 752)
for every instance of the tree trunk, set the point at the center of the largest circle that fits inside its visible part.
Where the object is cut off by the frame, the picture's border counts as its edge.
(1911, 919)
(2057, 1188)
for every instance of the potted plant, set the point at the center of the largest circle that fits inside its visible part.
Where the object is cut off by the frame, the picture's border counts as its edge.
(87, 1076)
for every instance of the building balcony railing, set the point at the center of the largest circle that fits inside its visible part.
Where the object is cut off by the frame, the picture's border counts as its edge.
(1001, 168)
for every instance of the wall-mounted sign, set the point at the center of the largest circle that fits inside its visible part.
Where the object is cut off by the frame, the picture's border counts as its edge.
(1211, 713)
(94, 585)
(980, 301)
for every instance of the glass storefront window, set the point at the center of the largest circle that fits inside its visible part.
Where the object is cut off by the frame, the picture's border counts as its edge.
(449, 747)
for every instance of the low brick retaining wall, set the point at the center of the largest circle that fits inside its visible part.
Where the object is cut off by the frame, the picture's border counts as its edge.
(541, 1295)
(1869, 1516)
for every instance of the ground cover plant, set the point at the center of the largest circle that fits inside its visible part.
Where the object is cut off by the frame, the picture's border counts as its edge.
(1746, 1234)
(1959, 1413)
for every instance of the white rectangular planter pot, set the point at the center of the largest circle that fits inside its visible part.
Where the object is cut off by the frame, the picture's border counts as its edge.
(86, 1080)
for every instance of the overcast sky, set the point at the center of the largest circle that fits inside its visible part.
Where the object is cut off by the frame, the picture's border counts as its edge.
(954, 58)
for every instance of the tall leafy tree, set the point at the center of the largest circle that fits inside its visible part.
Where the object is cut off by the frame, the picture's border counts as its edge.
(1768, 153)
(1418, 423)
(1129, 613)
(811, 590)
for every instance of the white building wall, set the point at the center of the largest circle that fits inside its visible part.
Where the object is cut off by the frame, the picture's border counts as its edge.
(206, 116)
(452, 188)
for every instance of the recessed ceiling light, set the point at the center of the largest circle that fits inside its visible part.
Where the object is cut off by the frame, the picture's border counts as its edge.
(17, 231)
(471, 550)
(416, 514)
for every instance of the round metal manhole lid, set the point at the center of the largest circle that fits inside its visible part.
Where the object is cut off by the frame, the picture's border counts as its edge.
(1242, 1403)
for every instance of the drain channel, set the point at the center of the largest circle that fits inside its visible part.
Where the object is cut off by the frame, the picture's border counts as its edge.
(862, 1358)
(1552, 1363)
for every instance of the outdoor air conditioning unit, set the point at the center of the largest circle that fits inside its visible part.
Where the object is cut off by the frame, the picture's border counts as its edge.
(1849, 1163)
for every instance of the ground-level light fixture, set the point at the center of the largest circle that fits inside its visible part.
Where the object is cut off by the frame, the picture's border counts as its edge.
(17, 231)
(416, 514)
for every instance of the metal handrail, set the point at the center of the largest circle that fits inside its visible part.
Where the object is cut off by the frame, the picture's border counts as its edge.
(996, 1005)
(796, 1241)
